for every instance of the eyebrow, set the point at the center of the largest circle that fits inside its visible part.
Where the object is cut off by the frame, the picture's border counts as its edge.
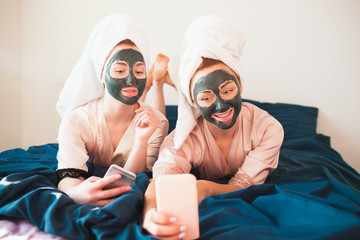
(206, 91)
(225, 84)
(123, 63)
(139, 64)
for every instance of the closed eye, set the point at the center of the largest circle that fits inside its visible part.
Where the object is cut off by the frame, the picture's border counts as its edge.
(228, 91)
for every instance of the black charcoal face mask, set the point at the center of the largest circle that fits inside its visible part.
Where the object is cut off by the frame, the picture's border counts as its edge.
(115, 86)
(220, 108)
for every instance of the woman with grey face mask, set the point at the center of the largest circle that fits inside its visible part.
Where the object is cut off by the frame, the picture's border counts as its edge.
(217, 134)
(104, 121)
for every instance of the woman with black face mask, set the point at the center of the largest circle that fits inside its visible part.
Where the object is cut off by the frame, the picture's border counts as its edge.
(104, 122)
(217, 135)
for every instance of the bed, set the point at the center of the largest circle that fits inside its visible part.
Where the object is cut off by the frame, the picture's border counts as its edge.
(313, 194)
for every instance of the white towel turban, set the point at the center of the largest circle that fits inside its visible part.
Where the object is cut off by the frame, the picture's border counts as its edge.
(84, 83)
(208, 37)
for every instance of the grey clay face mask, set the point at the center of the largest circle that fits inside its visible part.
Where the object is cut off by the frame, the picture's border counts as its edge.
(220, 107)
(115, 86)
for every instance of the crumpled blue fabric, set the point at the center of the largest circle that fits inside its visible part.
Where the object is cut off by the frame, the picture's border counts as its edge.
(313, 194)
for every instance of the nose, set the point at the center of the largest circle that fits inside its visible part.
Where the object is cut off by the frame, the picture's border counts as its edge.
(130, 80)
(220, 105)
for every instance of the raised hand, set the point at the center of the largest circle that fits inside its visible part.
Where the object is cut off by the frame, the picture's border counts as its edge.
(146, 123)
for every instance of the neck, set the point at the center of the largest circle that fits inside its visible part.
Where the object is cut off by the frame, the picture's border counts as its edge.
(219, 133)
(116, 110)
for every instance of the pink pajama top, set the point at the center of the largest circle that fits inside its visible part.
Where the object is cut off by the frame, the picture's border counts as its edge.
(254, 152)
(84, 136)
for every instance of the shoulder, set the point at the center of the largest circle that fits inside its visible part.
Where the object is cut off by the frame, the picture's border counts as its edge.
(196, 139)
(192, 146)
(258, 118)
(85, 115)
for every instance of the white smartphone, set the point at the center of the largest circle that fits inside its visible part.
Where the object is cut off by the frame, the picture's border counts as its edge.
(176, 194)
(127, 177)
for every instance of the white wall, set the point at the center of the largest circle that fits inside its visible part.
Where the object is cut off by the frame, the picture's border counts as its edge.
(301, 51)
(10, 82)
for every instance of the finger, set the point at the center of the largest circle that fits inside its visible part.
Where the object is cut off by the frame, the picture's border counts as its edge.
(162, 218)
(180, 236)
(141, 109)
(103, 202)
(140, 115)
(145, 111)
(113, 192)
(93, 179)
(143, 121)
(106, 181)
(154, 122)
(169, 231)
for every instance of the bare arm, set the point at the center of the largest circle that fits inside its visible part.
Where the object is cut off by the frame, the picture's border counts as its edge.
(146, 124)
(205, 189)
(137, 159)
(208, 188)
(149, 198)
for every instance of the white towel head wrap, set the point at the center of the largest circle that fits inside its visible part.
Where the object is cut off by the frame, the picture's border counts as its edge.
(208, 37)
(84, 83)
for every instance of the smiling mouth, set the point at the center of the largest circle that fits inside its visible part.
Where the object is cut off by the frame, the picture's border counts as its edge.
(129, 92)
(224, 116)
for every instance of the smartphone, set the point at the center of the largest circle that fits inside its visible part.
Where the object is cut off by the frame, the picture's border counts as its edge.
(176, 194)
(127, 177)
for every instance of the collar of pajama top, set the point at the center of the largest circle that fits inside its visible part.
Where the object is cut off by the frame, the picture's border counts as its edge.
(85, 136)
(254, 149)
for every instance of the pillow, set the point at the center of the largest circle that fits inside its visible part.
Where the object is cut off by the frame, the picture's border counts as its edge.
(298, 121)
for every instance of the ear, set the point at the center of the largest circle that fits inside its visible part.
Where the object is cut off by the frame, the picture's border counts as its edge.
(194, 104)
(192, 100)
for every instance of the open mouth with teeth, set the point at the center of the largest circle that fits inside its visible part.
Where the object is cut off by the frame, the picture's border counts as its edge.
(224, 117)
(129, 92)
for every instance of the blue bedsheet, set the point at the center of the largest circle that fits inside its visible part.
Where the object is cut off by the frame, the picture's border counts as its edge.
(313, 194)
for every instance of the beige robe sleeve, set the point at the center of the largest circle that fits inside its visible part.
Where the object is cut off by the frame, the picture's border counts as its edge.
(72, 149)
(263, 159)
(173, 161)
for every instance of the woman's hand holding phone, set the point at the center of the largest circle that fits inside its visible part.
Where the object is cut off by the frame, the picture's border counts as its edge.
(127, 177)
(93, 190)
(176, 213)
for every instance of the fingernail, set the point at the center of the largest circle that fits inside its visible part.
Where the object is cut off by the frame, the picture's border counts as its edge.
(183, 228)
(172, 219)
(181, 235)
